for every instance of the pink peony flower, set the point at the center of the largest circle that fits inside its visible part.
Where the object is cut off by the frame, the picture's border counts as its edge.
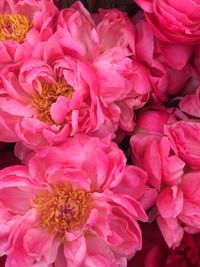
(44, 101)
(95, 98)
(70, 209)
(184, 137)
(109, 29)
(178, 207)
(168, 75)
(171, 21)
(190, 104)
(151, 50)
(23, 24)
(107, 40)
(125, 89)
(152, 151)
(114, 28)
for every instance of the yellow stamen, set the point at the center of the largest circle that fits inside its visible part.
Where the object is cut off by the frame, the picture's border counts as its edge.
(49, 95)
(63, 209)
(14, 27)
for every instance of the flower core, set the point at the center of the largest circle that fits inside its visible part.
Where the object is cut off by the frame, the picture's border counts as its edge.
(14, 27)
(49, 95)
(63, 209)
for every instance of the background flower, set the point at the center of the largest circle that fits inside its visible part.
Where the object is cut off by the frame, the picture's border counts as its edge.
(172, 22)
(37, 20)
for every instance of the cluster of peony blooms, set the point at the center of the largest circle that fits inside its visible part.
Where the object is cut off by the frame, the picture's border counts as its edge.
(100, 135)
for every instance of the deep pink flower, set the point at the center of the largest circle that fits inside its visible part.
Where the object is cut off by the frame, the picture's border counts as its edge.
(152, 151)
(190, 104)
(168, 74)
(150, 49)
(107, 40)
(171, 21)
(178, 207)
(68, 207)
(95, 98)
(124, 86)
(23, 24)
(107, 30)
(184, 137)
(44, 101)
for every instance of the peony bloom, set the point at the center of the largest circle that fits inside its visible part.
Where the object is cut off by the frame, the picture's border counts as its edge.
(168, 74)
(71, 209)
(184, 137)
(152, 151)
(58, 93)
(171, 21)
(190, 104)
(107, 30)
(107, 40)
(23, 24)
(44, 101)
(124, 86)
(178, 207)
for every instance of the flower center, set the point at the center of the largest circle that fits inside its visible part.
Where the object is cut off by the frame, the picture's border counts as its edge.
(63, 209)
(49, 95)
(14, 27)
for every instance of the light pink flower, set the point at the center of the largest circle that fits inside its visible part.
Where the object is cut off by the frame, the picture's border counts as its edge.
(171, 21)
(68, 207)
(28, 22)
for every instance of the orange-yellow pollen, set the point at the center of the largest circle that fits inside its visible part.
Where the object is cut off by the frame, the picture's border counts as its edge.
(48, 95)
(14, 27)
(63, 209)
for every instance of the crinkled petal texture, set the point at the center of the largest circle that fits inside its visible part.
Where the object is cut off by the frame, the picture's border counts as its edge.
(185, 138)
(68, 207)
(178, 208)
(92, 35)
(58, 94)
(37, 18)
(172, 21)
(190, 104)
(153, 151)
(168, 150)
(107, 40)
(44, 103)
